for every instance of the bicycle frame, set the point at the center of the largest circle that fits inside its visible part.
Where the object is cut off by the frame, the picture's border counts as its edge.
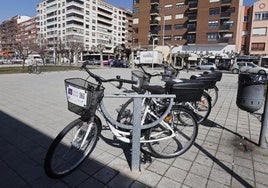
(121, 135)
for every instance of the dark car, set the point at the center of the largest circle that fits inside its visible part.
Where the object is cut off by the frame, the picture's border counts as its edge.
(119, 63)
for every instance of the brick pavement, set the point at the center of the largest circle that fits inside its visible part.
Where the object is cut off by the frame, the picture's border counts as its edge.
(33, 111)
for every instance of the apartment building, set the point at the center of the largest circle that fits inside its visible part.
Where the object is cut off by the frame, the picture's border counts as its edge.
(8, 30)
(90, 22)
(193, 25)
(259, 28)
(18, 29)
(26, 30)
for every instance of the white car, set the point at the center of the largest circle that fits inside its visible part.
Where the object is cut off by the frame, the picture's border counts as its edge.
(206, 66)
(253, 68)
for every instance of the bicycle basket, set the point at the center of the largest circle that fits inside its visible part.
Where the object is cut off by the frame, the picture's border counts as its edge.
(83, 97)
(141, 78)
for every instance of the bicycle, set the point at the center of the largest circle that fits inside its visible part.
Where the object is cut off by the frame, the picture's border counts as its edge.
(191, 95)
(159, 131)
(34, 68)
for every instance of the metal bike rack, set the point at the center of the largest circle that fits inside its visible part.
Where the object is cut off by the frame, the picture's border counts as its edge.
(264, 122)
(137, 127)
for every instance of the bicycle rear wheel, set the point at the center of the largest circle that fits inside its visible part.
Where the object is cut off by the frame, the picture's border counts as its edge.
(202, 108)
(71, 147)
(213, 93)
(169, 143)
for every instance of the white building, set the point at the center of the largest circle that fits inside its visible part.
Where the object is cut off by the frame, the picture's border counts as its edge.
(91, 22)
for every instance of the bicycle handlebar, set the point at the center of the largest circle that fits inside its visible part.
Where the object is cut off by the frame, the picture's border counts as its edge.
(100, 80)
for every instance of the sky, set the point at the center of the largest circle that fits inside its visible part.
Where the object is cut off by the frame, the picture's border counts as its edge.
(10, 8)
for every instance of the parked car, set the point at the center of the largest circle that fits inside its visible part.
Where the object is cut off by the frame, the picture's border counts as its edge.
(206, 66)
(248, 67)
(119, 63)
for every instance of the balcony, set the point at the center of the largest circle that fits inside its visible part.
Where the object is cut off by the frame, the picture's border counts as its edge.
(154, 32)
(193, 6)
(192, 17)
(226, 2)
(191, 29)
(154, 2)
(190, 41)
(154, 22)
(224, 28)
(225, 15)
(154, 12)
(223, 40)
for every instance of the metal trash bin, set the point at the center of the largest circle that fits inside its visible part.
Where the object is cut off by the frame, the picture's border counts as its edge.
(250, 94)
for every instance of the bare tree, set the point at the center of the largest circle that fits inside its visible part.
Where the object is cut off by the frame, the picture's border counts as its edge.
(41, 47)
(73, 49)
(23, 49)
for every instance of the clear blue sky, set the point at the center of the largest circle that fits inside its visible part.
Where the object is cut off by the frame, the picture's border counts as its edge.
(10, 8)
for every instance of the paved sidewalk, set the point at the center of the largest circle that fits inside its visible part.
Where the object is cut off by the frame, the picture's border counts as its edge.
(33, 110)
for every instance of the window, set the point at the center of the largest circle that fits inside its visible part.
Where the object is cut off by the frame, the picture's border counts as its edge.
(214, 11)
(178, 37)
(261, 31)
(178, 26)
(213, 24)
(246, 18)
(212, 36)
(261, 16)
(179, 16)
(168, 27)
(168, 7)
(180, 5)
(136, 2)
(258, 46)
(169, 17)
(135, 21)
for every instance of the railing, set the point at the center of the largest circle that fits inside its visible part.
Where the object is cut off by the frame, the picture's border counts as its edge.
(224, 27)
(192, 17)
(223, 40)
(154, 1)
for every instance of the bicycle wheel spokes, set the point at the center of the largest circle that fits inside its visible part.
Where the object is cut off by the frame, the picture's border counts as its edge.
(70, 148)
(172, 143)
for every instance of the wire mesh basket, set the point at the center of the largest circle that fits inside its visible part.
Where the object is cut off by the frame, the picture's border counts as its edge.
(83, 97)
(141, 78)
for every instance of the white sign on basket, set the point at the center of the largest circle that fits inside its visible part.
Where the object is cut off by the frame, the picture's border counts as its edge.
(76, 96)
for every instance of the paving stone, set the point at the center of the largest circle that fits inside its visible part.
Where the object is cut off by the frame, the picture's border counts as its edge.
(168, 183)
(149, 178)
(176, 174)
(193, 180)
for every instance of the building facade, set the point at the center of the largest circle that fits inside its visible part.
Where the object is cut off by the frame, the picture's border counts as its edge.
(193, 25)
(17, 30)
(259, 29)
(91, 22)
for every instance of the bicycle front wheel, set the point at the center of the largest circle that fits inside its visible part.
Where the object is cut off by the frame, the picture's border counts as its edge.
(174, 139)
(71, 147)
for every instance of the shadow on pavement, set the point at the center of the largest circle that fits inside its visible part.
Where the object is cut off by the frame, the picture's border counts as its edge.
(209, 123)
(23, 150)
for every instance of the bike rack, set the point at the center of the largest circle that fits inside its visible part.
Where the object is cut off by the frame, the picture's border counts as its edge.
(137, 127)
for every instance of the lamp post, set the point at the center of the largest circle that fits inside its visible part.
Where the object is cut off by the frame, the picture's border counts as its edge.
(154, 39)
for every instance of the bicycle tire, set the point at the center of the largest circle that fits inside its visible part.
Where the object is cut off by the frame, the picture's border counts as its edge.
(201, 108)
(37, 70)
(213, 93)
(30, 69)
(74, 156)
(125, 114)
(185, 127)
